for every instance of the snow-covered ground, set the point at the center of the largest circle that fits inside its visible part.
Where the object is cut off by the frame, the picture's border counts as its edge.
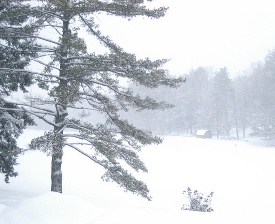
(241, 175)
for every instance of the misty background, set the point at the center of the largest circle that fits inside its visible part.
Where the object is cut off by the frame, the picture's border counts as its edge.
(210, 99)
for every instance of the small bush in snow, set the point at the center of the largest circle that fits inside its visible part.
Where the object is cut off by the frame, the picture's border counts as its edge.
(197, 201)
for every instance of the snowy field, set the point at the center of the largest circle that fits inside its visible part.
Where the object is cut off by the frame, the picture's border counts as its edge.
(241, 175)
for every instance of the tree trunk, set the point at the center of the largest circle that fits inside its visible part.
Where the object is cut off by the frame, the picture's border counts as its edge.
(236, 119)
(57, 151)
(217, 125)
(244, 132)
(237, 128)
(56, 172)
(61, 111)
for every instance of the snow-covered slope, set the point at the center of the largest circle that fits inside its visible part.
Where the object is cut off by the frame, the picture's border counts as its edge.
(240, 174)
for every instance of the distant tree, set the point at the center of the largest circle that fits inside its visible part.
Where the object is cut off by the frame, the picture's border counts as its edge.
(75, 79)
(268, 101)
(191, 105)
(162, 121)
(221, 96)
(196, 99)
(15, 51)
(244, 101)
(262, 80)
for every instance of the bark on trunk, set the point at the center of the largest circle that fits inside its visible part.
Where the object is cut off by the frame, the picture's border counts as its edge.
(57, 152)
(61, 109)
(56, 172)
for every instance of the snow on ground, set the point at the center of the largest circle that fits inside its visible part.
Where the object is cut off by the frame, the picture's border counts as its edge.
(240, 174)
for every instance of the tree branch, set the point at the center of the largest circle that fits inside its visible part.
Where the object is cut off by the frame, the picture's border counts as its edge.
(42, 63)
(32, 36)
(35, 73)
(87, 155)
(40, 117)
(106, 85)
(49, 112)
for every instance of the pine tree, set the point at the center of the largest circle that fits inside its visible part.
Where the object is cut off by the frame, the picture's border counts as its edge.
(76, 79)
(221, 95)
(244, 101)
(12, 121)
(196, 99)
(14, 54)
(262, 80)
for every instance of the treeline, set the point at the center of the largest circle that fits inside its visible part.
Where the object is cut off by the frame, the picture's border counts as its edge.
(211, 100)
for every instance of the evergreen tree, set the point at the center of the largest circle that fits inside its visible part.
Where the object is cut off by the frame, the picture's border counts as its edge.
(196, 98)
(12, 121)
(221, 96)
(15, 51)
(191, 105)
(244, 101)
(262, 80)
(267, 102)
(76, 79)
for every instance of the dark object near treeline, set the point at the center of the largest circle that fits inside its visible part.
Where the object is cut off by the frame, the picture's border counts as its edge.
(204, 134)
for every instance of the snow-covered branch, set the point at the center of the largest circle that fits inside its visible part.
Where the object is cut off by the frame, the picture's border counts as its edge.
(106, 85)
(73, 136)
(105, 40)
(32, 72)
(48, 13)
(32, 36)
(77, 127)
(10, 109)
(39, 116)
(32, 49)
(87, 155)
(47, 65)
(47, 111)
(77, 108)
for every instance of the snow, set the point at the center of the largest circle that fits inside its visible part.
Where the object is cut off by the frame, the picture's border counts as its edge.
(201, 132)
(57, 172)
(240, 174)
(51, 208)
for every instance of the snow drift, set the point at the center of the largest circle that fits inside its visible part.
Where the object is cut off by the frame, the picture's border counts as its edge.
(240, 174)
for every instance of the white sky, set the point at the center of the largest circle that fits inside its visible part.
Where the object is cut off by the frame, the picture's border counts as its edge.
(231, 33)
